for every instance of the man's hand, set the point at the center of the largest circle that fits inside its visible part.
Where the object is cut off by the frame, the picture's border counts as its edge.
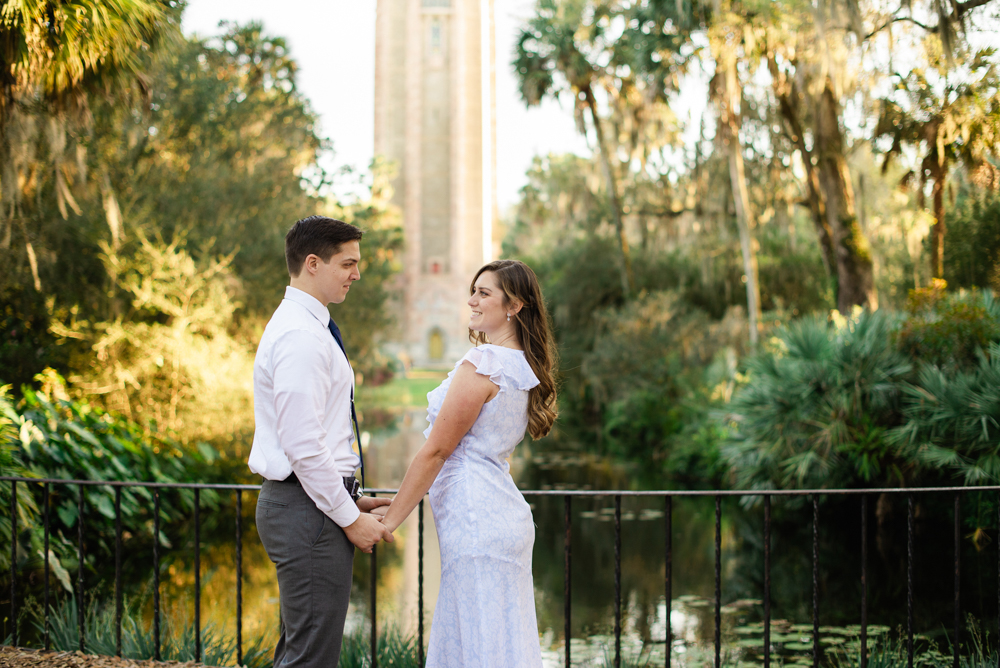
(367, 504)
(366, 531)
(380, 511)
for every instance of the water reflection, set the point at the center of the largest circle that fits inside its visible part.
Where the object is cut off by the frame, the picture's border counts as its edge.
(394, 424)
(643, 558)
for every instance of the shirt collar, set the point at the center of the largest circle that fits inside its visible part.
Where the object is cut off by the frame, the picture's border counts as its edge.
(310, 303)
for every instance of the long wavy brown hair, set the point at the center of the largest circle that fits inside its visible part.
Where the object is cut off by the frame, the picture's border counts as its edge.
(520, 284)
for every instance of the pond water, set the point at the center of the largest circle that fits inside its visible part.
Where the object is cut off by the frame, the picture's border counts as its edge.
(393, 422)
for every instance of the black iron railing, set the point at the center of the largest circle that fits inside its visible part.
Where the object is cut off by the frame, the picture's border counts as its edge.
(667, 495)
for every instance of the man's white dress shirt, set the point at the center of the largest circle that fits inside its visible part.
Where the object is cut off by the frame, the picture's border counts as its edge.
(302, 385)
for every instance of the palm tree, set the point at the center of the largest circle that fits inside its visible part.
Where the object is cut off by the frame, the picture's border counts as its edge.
(54, 56)
(548, 45)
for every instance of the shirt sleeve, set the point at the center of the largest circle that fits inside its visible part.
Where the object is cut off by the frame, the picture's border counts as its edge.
(302, 386)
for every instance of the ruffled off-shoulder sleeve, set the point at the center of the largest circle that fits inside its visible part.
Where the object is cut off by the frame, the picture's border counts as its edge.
(508, 369)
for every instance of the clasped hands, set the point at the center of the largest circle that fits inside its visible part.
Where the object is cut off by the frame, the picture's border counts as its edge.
(368, 529)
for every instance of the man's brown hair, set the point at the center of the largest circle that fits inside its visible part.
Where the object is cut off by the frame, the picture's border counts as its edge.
(319, 236)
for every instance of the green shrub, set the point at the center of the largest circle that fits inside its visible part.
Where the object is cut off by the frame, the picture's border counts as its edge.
(952, 420)
(948, 329)
(177, 640)
(11, 464)
(816, 407)
(891, 653)
(972, 248)
(652, 372)
(54, 437)
(394, 648)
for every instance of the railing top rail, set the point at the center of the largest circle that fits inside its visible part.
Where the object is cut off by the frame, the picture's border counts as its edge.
(133, 483)
(543, 492)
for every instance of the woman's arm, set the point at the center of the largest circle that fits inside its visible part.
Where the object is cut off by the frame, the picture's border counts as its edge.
(468, 393)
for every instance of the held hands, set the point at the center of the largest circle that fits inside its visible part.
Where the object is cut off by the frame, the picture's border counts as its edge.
(367, 530)
(380, 510)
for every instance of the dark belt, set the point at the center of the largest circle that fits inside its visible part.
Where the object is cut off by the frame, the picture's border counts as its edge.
(350, 483)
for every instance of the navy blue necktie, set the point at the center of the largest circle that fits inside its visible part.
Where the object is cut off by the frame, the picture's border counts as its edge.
(354, 415)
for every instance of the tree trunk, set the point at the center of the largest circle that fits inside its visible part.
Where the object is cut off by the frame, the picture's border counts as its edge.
(628, 280)
(741, 197)
(855, 270)
(937, 231)
(788, 103)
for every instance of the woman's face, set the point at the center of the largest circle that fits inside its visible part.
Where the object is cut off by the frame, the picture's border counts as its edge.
(489, 314)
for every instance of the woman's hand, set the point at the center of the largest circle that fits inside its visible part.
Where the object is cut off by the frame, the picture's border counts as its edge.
(380, 511)
(368, 504)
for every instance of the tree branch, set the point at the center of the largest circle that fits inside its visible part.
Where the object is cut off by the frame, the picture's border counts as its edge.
(961, 9)
(909, 19)
(968, 6)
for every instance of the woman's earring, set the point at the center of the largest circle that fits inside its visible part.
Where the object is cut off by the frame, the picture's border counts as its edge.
(508, 317)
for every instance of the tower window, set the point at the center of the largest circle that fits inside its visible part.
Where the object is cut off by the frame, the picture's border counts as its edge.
(436, 35)
(437, 3)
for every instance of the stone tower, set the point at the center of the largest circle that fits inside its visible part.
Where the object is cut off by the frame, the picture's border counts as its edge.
(435, 118)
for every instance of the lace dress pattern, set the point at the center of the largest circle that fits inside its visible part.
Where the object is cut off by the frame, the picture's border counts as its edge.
(485, 613)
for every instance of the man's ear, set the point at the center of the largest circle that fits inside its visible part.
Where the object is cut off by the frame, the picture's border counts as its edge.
(311, 263)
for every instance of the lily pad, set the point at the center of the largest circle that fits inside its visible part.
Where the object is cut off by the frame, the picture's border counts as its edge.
(750, 642)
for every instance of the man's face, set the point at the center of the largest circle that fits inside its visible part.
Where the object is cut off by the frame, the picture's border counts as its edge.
(334, 278)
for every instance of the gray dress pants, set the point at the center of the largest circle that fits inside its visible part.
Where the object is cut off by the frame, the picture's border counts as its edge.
(314, 560)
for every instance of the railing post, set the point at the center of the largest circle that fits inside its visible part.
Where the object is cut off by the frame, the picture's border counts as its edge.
(374, 596)
(197, 574)
(567, 590)
(156, 574)
(958, 579)
(864, 581)
(767, 581)
(668, 575)
(718, 581)
(909, 581)
(815, 579)
(13, 561)
(118, 571)
(618, 581)
(45, 600)
(420, 584)
(239, 577)
(79, 572)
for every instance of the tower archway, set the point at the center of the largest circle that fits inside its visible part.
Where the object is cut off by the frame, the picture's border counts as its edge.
(435, 345)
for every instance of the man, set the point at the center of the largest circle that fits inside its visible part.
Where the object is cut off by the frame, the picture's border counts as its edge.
(309, 514)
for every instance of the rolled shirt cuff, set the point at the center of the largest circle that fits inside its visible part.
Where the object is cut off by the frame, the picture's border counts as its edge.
(344, 515)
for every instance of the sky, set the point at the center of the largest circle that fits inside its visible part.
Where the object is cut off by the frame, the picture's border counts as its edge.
(334, 44)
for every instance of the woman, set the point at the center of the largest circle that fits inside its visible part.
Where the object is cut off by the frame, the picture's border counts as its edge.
(485, 613)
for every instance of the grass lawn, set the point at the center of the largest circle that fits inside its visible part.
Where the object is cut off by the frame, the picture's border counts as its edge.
(402, 391)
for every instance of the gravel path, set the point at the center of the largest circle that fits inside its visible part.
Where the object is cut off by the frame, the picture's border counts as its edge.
(11, 657)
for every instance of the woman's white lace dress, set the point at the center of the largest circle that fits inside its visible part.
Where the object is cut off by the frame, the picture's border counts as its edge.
(485, 613)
